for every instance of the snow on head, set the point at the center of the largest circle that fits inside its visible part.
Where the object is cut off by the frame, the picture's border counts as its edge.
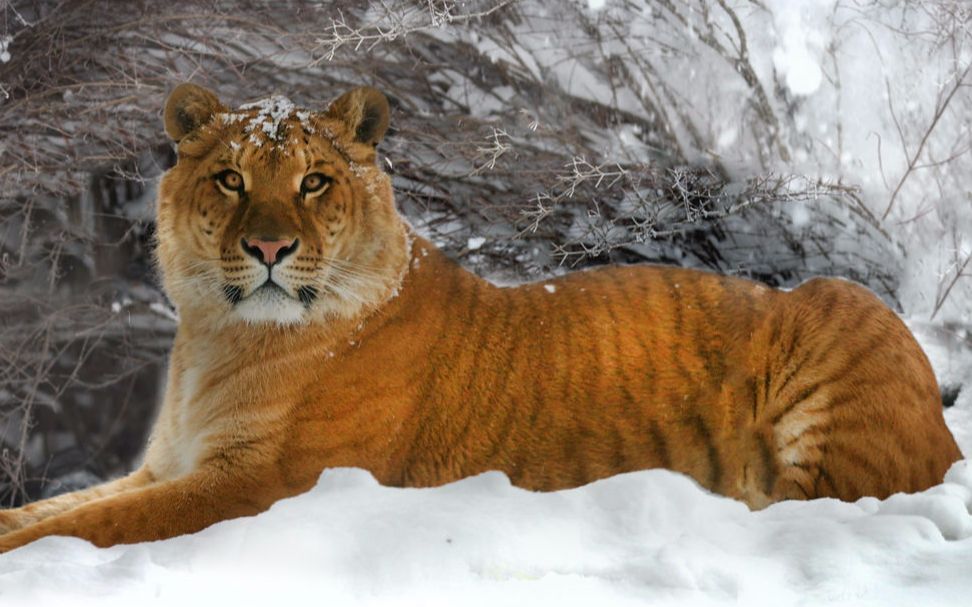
(271, 115)
(270, 120)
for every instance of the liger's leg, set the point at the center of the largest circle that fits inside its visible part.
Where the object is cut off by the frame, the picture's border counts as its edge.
(16, 518)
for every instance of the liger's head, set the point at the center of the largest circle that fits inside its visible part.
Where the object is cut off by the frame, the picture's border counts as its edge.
(274, 214)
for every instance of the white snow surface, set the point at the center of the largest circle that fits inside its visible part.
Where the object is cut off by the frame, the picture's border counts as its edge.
(475, 243)
(651, 537)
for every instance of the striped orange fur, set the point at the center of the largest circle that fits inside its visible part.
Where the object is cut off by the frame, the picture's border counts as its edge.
(371, 349)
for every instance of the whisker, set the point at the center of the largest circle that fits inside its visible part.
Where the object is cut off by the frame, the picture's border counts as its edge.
(233, 293)
(353, 264)
(307, 294)
(351, 272)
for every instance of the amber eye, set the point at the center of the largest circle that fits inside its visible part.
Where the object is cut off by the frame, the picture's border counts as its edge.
(231, 180)
(313, 183)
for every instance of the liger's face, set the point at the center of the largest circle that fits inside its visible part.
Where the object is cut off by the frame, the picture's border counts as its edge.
(267, 217)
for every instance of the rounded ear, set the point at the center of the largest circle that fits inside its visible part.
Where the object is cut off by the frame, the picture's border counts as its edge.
(365, 111)
(187, 108)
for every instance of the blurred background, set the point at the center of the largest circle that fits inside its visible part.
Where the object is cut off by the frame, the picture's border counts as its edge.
(775, 139)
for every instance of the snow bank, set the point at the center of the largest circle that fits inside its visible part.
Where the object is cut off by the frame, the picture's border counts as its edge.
(651, 536)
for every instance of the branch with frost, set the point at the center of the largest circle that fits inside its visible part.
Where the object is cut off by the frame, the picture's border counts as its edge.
(947, 279)
(608, 206)
(581, 172)
(944, 100)
(398, 21)
(497, 144)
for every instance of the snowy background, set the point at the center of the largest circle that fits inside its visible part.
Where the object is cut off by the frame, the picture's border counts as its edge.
(776, 139)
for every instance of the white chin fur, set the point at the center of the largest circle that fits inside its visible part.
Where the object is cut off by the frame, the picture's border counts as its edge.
(270, 305)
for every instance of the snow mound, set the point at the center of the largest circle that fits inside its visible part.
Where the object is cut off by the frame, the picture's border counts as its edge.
(652, 536)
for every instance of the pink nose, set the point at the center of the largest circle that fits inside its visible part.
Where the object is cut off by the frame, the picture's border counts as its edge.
(269, 251)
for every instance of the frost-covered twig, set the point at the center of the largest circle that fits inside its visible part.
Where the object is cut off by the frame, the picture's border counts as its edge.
(497, 144)
(399, 21)
(952, 275)
(944, 99)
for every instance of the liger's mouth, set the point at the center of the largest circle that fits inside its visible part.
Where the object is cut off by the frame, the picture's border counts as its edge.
(305, 294)
(269, 285)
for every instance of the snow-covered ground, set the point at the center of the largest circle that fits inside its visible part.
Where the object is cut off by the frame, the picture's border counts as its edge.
(651, 537)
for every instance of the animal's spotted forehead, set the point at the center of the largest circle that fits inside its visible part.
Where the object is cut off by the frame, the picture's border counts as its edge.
(270, 121)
